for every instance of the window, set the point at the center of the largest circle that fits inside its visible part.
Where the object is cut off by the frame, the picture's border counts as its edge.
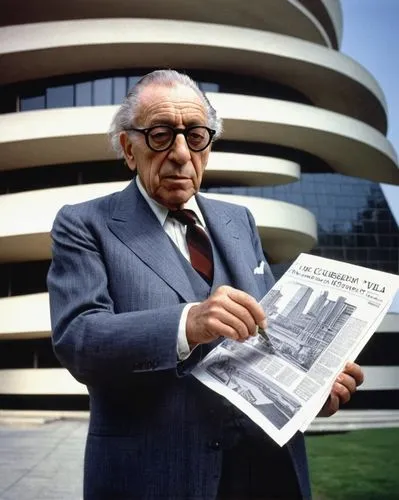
(83, 94)
(209, 87)
(102, 92)
(30, 103)
(119, 91)
(59, 97)
(132, 82)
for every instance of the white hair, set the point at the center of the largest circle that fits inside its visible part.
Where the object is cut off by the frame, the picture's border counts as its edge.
(125, 116)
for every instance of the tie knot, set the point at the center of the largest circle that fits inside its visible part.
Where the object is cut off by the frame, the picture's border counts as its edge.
(186, 217)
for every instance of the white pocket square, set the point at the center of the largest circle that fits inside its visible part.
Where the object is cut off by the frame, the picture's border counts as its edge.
(260, 269)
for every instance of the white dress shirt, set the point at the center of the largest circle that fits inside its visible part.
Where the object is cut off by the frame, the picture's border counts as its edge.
(177, 232)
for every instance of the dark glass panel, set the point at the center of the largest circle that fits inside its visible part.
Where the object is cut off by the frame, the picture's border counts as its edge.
(83, 94)
(16, 354)
(119, 91)
(102, 92)
(377, 400)
(391, 266)
(5, 289)
(360, 255)
(105, 171)
(32, 103)
(383, 226)
(28, 277)
(27, 353)
(209, 87)
(132, 80)
(279, 269)
(44, 354)
(8, 99)
(28, 179)
(384, 214)
(59, 97)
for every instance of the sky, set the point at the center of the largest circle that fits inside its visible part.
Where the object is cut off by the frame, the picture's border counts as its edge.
(371, 37)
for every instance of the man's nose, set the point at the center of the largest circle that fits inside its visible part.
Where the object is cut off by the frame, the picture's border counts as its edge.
(179, 151)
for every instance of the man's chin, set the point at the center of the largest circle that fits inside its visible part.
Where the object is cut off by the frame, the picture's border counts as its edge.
(175, 200)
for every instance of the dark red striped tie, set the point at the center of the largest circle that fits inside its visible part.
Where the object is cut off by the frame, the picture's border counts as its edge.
(199, 246)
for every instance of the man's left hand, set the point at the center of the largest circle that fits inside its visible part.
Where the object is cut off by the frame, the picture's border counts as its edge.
(344, 387)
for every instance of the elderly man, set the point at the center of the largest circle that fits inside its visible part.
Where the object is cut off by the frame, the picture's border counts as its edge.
(142, 285)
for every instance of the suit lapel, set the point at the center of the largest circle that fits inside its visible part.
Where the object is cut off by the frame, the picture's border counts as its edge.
(226, 236)
(134, 223)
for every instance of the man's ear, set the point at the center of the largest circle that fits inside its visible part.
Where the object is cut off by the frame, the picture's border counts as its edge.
(127, 147)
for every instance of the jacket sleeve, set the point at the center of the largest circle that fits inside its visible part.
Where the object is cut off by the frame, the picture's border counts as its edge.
(92, 341)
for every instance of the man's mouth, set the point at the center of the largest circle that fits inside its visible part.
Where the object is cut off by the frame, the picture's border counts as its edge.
(177, 177)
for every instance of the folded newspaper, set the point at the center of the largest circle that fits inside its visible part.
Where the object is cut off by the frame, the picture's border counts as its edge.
(320, 315)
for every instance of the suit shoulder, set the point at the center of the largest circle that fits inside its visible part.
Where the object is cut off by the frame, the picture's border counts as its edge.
(225, 206)
(86, 209)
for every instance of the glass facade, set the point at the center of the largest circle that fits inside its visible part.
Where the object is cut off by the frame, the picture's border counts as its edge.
(102, 89)
(13, 278)
(355, 223)
(30, 179)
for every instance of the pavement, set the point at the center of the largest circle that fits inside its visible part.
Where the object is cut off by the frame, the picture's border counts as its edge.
(42, 459)
(41, 453)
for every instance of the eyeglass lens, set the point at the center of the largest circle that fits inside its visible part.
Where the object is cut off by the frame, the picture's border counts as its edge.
(160, 138)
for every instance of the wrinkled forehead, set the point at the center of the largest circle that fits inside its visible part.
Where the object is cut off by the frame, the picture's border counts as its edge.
(177, 105)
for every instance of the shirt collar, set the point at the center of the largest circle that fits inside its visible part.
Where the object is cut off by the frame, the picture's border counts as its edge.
(161, 212)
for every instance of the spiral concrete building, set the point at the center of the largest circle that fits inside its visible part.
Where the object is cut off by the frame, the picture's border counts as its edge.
(304, 148)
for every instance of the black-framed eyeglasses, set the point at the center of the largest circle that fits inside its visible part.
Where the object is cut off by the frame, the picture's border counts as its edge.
(161, 137)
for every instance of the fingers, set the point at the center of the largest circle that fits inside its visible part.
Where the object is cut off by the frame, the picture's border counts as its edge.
(223, 324)
(250, 311)
(240, 311)
(354, 371)
(331, 406)
(347, 381)
(226, 313)
(344, 390)
(344, 387)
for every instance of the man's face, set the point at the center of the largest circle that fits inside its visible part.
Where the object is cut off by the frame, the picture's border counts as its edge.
(170, 177)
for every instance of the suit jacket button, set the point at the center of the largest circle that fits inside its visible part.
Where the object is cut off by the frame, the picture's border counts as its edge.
(215, 445)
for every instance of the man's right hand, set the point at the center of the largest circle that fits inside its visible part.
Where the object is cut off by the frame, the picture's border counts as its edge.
(229, 313)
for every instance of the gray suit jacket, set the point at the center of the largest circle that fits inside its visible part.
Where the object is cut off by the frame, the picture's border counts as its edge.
(117, 289)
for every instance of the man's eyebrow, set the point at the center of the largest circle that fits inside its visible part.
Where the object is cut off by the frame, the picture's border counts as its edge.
(191, 123)
(196, 123)
(158, 122)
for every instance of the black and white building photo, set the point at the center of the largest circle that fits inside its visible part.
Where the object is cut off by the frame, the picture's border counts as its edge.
(305, 326)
